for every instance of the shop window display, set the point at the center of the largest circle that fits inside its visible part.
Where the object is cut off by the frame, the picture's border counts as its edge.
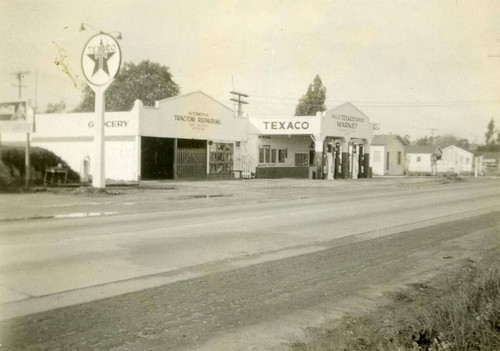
(221, 157)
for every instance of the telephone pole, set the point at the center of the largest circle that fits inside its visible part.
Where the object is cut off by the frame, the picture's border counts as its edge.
(239, 101)
(20, 75)
(432, 132)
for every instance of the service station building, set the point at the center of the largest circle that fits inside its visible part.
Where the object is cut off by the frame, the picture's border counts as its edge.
(193, 136)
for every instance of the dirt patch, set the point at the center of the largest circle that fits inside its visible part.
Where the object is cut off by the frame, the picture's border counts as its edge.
(457, 310)
(454, 178)
(91, 191)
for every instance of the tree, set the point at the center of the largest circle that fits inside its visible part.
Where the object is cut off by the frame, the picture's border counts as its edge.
(424, 141)
(56, 107)
(448, 139)
(488, 136)
(147, 81)
(313, 101)
(443, 141)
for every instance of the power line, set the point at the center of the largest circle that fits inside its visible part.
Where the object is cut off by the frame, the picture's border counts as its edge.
(374, 103)
(392, 105)
(432, 131)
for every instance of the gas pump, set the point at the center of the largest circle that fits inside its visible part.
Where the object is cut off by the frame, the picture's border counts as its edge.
(354, 174)
(330, 165)
(361, 164)
(325, 161)
(338, 164)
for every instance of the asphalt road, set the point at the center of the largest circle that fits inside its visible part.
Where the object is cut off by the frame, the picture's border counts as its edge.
(209, 272)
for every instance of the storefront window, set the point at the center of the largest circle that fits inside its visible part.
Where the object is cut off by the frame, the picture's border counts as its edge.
(281, 156)
(268, 155)
(221, 157)
(264, 154)
(273, 155)
(301, 160)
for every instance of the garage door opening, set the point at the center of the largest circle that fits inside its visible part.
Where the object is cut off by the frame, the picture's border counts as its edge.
(169, 158)
(157, 158)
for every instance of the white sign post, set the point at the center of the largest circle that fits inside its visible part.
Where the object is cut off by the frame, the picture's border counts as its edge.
(101, 59)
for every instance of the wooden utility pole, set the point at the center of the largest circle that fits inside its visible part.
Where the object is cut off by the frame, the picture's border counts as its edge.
(239, 101)
(27, 172)
(20, 75)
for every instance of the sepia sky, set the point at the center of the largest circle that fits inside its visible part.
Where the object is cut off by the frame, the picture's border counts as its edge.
(408, 65)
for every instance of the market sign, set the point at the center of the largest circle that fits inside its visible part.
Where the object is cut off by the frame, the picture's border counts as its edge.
(348, 122)
(16, 117)
(101, 59)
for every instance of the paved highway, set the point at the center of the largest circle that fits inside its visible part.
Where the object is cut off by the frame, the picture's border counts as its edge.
(160, 250)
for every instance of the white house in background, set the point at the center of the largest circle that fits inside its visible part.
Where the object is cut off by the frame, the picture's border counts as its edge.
(422, 159)
(459, 160)
(387, 154)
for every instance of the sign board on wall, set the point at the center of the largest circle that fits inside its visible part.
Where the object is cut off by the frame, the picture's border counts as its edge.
(197, 120)
(347, 121)
(297, 125)
(192, 116)
(16, 117)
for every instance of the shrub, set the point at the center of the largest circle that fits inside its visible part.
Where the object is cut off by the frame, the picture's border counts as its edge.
(13, 167)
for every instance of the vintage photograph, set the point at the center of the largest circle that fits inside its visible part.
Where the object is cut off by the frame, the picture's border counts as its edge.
(249, 175)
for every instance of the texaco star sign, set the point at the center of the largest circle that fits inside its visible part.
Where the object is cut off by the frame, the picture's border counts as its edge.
(101, 59)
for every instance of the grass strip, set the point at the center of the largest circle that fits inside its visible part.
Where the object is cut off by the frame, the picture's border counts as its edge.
(457, 311)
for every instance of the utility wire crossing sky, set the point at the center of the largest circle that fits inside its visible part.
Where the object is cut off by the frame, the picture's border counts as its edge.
(410, 66)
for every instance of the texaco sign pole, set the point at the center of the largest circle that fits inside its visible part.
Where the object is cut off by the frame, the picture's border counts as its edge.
(101, 59)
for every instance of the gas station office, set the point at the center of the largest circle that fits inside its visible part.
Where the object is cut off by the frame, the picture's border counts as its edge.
(331, 145)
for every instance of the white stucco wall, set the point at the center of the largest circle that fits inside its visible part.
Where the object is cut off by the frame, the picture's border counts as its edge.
(71, 137)
(120, 155)
(424, 166)
(377, 159)
(459, 160)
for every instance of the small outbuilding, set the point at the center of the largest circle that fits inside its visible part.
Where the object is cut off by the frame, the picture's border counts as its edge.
(388, 155)
(422, 159)
(458, 160)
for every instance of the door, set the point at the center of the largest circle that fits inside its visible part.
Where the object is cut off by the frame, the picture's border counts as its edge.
(191, 163)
